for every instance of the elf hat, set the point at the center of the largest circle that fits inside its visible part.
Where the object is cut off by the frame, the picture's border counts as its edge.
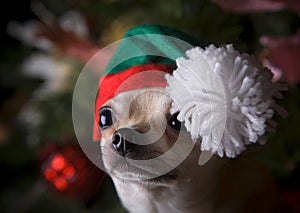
(155, 48)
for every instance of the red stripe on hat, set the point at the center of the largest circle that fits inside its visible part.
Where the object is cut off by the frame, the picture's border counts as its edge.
(146, 75)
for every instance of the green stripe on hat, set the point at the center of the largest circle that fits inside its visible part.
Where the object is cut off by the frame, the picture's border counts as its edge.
(163, 41)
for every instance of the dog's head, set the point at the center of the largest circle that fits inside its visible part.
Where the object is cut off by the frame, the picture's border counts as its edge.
(139, 137)
(141, 140)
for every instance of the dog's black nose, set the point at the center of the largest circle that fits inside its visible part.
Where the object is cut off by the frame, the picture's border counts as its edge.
(121, 142)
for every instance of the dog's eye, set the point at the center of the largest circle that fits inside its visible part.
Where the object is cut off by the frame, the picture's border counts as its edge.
(105, 117)
(173, 122)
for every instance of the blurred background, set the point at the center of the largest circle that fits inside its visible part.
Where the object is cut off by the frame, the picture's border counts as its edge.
(44, 46)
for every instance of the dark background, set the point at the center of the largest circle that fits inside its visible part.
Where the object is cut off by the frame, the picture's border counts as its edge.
(21, 144)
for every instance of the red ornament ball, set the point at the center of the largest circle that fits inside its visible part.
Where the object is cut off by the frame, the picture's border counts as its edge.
(67, 170)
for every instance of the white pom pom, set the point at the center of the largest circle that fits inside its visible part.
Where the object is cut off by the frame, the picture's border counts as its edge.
(224, 98)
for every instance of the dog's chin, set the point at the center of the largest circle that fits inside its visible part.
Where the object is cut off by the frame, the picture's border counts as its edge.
(162, 180)
(131, 168)
(146, 179)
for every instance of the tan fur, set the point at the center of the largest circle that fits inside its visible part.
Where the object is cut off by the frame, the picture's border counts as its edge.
(221, 185)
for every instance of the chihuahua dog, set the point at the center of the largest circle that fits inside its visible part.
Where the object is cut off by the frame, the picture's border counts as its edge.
(221, 185)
